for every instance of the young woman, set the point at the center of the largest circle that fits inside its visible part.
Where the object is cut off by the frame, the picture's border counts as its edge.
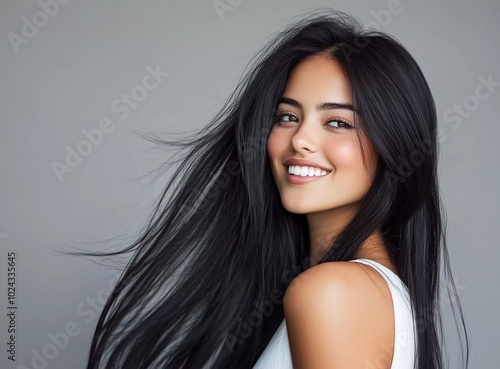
(303, 227)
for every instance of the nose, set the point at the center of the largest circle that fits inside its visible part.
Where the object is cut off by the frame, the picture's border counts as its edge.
(305, 139)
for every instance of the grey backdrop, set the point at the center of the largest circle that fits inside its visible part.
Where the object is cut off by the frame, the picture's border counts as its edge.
(66, 68)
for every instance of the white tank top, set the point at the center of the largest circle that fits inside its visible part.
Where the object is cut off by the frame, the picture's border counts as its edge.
(277, 355)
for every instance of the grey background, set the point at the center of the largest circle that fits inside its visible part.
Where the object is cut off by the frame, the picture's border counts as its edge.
(65, 78)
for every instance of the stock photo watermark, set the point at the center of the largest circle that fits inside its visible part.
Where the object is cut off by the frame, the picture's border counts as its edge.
(460, 111)
(381, 19)
(58, 341)
(121, 106)
(11, 301)
(223, 6)
(30, 27)
(456, 114)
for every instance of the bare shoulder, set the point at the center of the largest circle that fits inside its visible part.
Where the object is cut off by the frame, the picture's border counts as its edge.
(339, 315)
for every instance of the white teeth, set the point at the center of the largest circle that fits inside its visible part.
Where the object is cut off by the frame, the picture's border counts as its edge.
(306, 171)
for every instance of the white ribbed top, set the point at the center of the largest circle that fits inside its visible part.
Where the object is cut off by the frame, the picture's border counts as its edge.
(277, 355)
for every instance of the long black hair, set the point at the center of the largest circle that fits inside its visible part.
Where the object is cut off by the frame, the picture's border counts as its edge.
(204, 286)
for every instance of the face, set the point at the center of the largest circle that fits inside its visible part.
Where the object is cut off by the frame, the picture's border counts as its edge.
(314, 138)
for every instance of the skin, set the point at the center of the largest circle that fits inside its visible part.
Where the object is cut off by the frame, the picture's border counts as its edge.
(338, 314)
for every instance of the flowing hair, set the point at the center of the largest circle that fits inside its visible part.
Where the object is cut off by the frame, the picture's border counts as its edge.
(205, 283)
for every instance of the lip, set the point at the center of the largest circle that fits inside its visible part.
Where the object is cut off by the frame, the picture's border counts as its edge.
(306, 163)
(293, 179)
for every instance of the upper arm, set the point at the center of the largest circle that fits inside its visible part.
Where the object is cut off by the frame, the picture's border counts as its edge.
(340, 315)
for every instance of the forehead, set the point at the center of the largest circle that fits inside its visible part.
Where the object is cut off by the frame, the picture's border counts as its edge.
(318, 79)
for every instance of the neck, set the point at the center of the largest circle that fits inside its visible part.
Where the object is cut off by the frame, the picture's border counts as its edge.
(324, 228)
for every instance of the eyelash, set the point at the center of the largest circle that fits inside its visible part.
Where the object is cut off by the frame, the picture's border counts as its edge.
(279, 116)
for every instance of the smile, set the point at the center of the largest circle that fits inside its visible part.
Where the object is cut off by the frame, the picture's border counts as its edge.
(304, 171)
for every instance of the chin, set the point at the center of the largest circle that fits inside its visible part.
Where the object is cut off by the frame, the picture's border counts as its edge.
(297, 208)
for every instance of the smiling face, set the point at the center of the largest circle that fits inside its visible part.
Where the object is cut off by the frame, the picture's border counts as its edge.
(314, 125)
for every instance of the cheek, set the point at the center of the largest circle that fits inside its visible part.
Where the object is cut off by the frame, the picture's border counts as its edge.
(276, 148)
(275, 143)
(344, 154)
(346, 157)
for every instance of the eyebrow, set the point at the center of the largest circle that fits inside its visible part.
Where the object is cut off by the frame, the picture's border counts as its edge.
(322, 106)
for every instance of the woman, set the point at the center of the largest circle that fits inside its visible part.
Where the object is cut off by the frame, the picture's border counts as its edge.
(303, 226)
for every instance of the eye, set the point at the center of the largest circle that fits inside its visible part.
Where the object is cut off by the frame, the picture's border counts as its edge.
(341, 124)
(285, 118)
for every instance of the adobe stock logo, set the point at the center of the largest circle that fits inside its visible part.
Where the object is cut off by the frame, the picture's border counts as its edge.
(94, 137)
(30, 27)
(484, 89)
(223, 6)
